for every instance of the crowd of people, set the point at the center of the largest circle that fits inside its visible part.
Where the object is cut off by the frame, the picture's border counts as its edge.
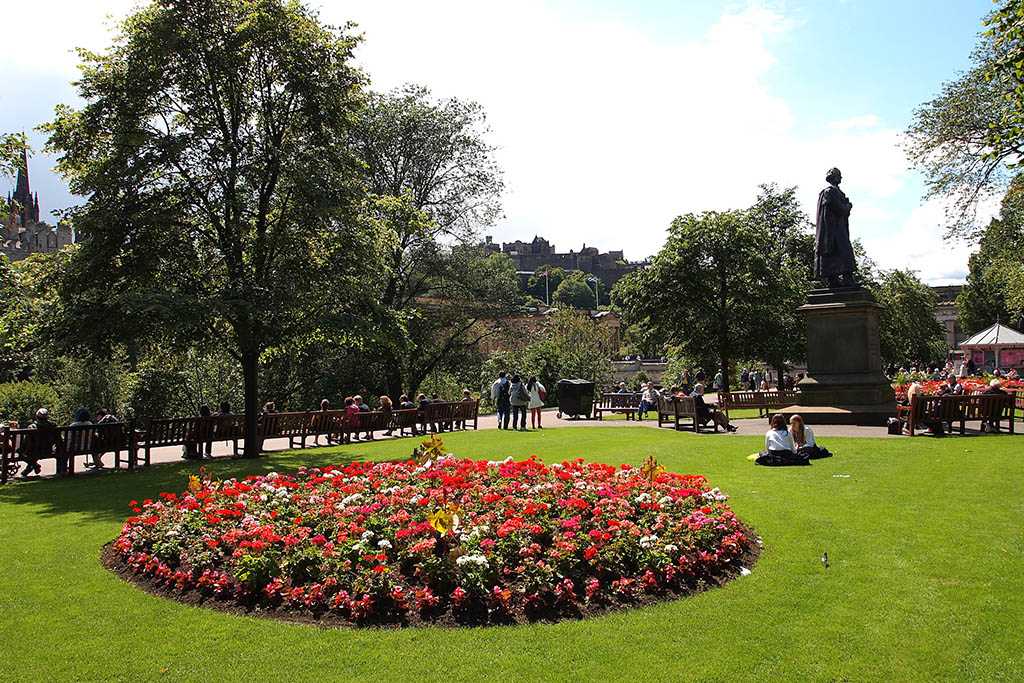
(46, 439)
(514, 398)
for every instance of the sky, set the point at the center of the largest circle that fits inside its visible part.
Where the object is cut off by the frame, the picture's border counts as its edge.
(613, 117)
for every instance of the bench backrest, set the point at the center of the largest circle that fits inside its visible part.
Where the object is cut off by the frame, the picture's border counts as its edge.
(613, 400)
(406, 417)
(969, 407)
(67, 441)
(284, 424)
(444, 412)
(176, 431)
(326, 421)
(773, 398)
(375, 420)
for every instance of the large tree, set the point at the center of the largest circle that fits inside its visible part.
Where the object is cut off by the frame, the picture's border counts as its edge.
(717, 290)
(989, 294)
(970, 136)
(436, 184)
(907, 328)
(214, 148)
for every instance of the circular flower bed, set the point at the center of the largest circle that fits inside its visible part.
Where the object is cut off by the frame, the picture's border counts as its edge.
(441, 540)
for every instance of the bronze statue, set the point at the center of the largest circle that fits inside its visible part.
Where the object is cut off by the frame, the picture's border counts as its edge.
(833, 253)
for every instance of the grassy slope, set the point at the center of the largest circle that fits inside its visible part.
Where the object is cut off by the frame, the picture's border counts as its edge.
(925, 540)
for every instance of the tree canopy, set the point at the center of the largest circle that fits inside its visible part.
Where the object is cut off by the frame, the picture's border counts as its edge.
(723, 287)
(970, 136)
(908, 329)
(435, 184)
(215, 149)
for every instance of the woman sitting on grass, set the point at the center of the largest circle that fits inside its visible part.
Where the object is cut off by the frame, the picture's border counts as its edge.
(779, 448)
(803, 439)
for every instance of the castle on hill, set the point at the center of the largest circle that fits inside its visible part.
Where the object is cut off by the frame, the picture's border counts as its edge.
(22, 233)
(528, 257)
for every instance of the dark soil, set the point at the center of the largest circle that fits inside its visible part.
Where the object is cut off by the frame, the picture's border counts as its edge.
(444, 616)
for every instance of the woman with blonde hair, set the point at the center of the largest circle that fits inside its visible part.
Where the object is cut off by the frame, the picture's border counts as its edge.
(803, 439)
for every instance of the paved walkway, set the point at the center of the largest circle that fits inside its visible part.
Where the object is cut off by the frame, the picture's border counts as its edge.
(746, 427)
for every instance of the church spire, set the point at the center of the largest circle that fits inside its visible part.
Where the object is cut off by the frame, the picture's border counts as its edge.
(22, 193)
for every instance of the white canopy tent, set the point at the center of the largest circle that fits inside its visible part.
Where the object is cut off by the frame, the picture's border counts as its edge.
(998, 346)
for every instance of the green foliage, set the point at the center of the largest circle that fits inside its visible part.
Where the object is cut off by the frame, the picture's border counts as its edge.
(430, 161)
(567, 345)
(993, 280)
(214, 148)
(19, 401)
(726, 285)
(174, 382)
(29, 304)
(968, 137)
(575, 292)
(640, 379)
(907, 328)
(88, 382)
(543, 287)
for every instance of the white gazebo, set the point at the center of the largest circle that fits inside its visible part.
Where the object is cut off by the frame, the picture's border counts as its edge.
(996, 347)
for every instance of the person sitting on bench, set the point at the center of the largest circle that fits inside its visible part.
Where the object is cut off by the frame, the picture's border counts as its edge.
(706, 412)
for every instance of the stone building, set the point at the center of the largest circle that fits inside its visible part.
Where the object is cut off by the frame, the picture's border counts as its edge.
(527, 257)
(22, 233)
(945, 313)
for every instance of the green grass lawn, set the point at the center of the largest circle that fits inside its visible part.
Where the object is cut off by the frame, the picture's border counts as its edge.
(925, 538)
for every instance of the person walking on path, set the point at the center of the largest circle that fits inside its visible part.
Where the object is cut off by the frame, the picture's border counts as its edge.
(519, 398)
(500, 396)
(537, 395)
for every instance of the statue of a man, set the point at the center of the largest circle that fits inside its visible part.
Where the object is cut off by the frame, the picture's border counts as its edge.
(833, 253)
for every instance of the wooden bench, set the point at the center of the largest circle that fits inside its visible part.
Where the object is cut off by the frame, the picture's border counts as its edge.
(175, 431)
(675, 409)
(62, 444)
(617, 403)
(445, 415)
(764, 401)
(368, 423)
(928, 411)
(405, 418)
(293, 426)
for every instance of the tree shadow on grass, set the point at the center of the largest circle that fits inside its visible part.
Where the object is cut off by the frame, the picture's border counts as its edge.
(106, 495)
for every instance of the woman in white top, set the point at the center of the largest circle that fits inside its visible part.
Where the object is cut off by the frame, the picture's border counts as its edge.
(536, 401)
(778, 439)
(779, 448)
(803, 439)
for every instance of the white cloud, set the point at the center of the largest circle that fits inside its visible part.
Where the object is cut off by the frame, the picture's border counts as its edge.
(605, 132)
(917, 245)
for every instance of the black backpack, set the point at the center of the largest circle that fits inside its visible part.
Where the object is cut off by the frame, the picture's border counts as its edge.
(503, 391)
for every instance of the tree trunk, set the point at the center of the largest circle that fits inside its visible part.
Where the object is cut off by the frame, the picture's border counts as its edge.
(250, 381)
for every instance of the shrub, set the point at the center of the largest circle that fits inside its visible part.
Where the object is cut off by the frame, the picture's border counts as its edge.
(19, 401)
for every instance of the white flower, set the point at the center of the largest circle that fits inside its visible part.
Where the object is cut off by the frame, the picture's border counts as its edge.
(744, 571)
(714, 494)
(665, 500)
(643, 498)
(476, 559)
(384, 544)
(647, 542)
(367, 535)
(671, 548)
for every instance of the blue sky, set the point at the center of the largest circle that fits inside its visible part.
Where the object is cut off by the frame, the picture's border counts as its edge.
(613, 117)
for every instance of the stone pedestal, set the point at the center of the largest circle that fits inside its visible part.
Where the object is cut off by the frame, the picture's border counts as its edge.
(845, 383)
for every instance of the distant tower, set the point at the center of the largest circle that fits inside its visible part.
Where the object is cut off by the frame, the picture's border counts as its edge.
(23, 194)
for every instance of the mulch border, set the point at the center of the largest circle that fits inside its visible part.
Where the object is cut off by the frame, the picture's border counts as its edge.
(441, 617)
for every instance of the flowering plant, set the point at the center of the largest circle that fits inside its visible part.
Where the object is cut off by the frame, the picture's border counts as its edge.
(384, 541)
(971, 385)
